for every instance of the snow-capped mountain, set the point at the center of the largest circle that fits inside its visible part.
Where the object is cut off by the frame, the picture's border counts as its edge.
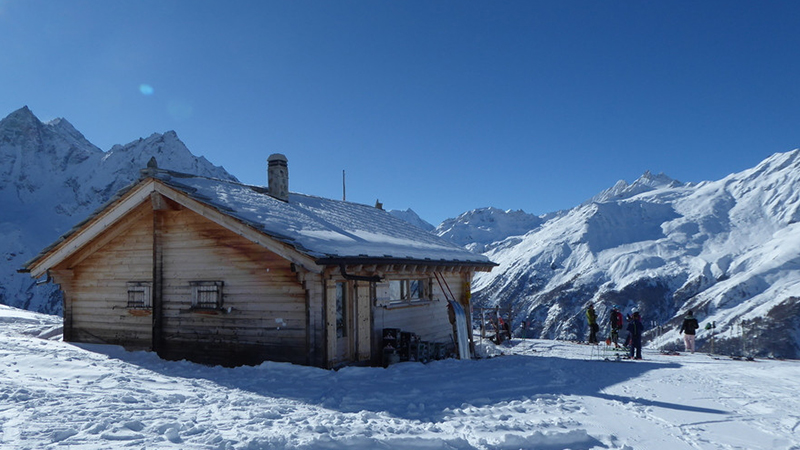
(480, 228)
(51, 178)
(411, 217)
(727, 249)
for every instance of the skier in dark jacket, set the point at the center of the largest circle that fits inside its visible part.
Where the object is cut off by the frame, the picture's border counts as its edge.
(689, 326)
(635, 329)
(615, 320)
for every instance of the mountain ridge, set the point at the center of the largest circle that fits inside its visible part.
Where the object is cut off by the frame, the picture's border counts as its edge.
(722, 248)
(646, 182)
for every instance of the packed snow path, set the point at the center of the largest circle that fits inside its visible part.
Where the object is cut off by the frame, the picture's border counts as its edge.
(540, 395)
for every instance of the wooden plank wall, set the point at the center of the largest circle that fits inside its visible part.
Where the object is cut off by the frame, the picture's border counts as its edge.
(97, 295)
(267, 318)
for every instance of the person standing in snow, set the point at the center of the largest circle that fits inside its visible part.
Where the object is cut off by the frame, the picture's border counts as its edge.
(615, 320)
(628, 337)
(591, 317)
(688, 327)
(635, 329)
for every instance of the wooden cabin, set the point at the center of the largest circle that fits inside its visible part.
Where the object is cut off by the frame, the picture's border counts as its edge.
(219, 272)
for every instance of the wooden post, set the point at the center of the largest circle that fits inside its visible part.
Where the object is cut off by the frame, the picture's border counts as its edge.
(158, 268)
(329, 289)
(363, 321)
(313, 286)
(64, 280)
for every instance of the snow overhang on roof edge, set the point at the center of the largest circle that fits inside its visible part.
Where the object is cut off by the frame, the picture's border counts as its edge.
(367, 260)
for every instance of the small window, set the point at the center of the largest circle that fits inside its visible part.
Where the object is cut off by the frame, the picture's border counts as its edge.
(206, 294)
(407, 290)
(139, 296)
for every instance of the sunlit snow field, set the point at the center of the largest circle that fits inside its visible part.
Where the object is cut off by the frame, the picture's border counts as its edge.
(533, 394)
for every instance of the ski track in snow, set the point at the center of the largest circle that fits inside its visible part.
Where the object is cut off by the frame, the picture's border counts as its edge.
(541, 395)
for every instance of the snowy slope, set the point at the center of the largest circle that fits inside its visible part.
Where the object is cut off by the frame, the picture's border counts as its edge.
(726, 249)
(51, 178)
(541, 395)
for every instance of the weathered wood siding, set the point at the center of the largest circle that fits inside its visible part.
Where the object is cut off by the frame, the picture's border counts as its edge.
(96, 297)
(264, 304)
(428, 320)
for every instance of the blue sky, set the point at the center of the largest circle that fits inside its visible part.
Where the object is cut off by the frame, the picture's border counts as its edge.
(438, 106)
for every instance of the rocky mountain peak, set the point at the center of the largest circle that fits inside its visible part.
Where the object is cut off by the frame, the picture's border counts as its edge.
(20, 117)
(20, 126)
(645, 183)
(656, 181)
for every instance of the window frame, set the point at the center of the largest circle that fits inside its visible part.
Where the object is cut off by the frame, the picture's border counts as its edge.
(200, 293)
(145, 288)
(401, 292)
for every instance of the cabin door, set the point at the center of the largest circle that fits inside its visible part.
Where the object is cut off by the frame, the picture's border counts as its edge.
(344, 322)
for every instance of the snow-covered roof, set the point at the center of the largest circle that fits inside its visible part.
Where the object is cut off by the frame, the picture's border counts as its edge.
(330, 231)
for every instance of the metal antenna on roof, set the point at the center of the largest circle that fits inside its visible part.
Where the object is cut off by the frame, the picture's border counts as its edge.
(344, 187)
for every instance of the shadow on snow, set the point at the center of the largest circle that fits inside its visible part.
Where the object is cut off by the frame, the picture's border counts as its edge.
(415, 391)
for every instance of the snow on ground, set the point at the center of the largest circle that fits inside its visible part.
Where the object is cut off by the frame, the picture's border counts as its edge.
(538, 395)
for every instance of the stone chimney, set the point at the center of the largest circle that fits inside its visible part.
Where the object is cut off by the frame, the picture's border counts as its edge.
(278, 176)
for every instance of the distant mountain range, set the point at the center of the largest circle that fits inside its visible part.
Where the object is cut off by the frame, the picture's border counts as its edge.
(727, 249)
